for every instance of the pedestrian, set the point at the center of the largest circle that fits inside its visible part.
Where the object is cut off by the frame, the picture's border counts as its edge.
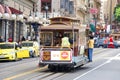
(65, 41)
(90, 48)
(106, 42)
(19, 44)
(23, 38)
(10, 39)
(1, 40)
(111, 45)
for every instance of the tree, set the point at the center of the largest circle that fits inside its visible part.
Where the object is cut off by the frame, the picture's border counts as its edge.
(117, 12)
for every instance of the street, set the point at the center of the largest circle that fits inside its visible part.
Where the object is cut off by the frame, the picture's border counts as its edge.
(60, 32)
(105, 66)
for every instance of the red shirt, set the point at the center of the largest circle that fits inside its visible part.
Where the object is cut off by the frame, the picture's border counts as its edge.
(111, 39)
(10, 40)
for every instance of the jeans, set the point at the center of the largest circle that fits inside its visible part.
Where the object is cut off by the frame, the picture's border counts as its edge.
(90, 53)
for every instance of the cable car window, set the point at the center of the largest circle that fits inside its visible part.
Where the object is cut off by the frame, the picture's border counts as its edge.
(46, 38)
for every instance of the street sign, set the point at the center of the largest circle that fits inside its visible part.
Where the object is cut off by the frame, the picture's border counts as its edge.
(93, 11)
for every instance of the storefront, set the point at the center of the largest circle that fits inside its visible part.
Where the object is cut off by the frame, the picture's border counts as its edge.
(4, 21)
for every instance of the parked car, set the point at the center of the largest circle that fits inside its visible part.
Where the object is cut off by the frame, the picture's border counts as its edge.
(118, 43)
(114, 45)
(100, 42)
(32, 47)
(11, 51)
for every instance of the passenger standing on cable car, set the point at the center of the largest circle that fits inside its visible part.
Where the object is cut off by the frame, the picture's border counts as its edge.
(65, 41)
(90, 48)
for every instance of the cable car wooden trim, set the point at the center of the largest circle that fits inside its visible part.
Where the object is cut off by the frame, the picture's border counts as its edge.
(71, 46)
(61, 18)
(62, 23)
(60, 26)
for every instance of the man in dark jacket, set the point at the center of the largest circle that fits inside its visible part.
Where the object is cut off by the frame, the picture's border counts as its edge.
(1, 40)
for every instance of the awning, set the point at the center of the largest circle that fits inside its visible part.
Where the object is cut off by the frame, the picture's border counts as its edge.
(8, 10)
(2, 9)
(15, 11)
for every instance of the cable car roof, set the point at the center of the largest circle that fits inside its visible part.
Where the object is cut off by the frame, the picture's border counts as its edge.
(64, 18)
(60, 26)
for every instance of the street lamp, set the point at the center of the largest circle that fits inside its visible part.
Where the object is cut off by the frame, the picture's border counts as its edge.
(20, 19)
(35, 26)
(30, 20)
(6, 16)
(46, 9)
(36, 19)
(13, 16)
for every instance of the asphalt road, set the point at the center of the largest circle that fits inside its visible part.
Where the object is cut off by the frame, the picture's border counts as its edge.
(105, 66)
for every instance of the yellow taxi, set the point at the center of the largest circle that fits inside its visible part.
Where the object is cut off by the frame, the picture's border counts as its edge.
(11, 51)
(32, 47)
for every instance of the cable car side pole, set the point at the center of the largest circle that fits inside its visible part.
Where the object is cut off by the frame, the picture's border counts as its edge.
(73, 37)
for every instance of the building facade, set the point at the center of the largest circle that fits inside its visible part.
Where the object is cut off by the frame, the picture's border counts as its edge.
(87, 10)
(81, 10)
(109, 10)
(15, 26)
(56, 8)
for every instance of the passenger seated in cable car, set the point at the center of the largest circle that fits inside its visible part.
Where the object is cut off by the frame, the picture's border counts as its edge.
(47, 43)
(71, 40)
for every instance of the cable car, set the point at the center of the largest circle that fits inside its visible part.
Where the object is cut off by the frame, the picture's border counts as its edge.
(51, 52)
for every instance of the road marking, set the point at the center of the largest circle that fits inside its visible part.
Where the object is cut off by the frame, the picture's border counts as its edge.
(25, 73)
(108, 61)
(17, 65)
(97, 51)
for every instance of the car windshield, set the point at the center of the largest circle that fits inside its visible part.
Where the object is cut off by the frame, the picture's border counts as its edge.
(27, 44)
(6, 46)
